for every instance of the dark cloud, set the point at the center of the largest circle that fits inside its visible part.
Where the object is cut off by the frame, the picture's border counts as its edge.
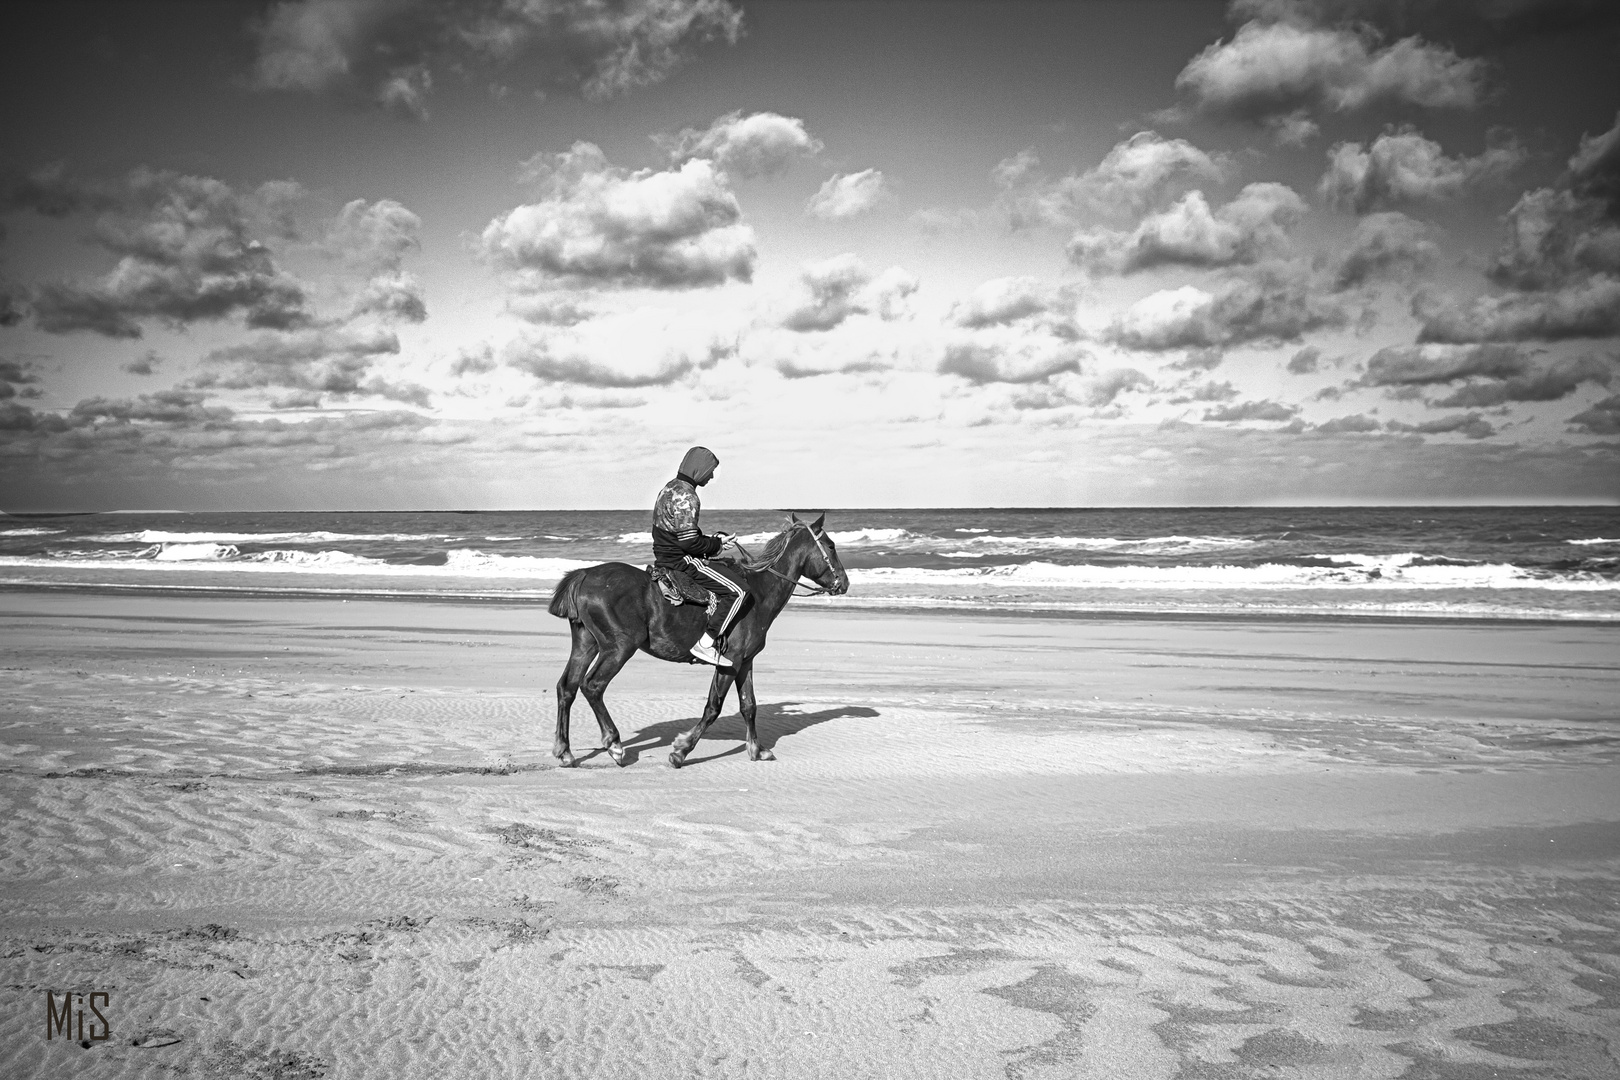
(188, 249)
(1252, 410)
(1273, 305)
(1305, 361)
(760, 144)
(1403, 167)
(792, 368)
(1553, 237)
(388, 49)
(182, 407)
(1277, 73)
(1420, 365)
(20, 420)
(1594, 171)
(335, 360)
(12, 305)
(1024, 362)
(1603, 418)
(1013, 300)
(550, 362)
(1254, 225)
(1110, 384)
(605, 226)
(1547, 383)
(145, 364)
(1583, 309)
(1356, 424)
(1476, 23)
(1210, 391)
(842, 286)
(1384, 245)
(1470, 425)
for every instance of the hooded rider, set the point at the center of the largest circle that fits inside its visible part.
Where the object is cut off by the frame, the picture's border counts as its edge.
(679, 544)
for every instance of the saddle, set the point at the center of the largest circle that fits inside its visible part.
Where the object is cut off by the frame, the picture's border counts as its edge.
(678, 587)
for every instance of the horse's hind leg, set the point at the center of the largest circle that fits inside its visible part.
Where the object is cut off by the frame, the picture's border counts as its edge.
(685, 741)
(584, 651)
(612, 658)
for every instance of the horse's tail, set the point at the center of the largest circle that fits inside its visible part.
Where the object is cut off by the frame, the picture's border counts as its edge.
(564, 599)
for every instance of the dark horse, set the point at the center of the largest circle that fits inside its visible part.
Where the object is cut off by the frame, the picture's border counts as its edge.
(613, 609)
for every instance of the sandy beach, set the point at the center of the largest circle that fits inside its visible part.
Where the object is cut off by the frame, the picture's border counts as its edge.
(301, 838)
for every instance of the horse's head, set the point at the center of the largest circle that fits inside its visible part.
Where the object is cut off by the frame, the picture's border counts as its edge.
(821, 563)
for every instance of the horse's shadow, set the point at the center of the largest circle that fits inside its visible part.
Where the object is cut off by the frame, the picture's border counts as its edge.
(772, 721)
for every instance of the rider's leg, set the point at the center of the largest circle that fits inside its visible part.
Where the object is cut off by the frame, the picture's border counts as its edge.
(719, 581)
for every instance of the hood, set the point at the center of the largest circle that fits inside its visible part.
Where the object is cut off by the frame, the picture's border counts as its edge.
(699, 464)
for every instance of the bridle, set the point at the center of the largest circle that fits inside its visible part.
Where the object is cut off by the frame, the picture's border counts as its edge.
(826, 560)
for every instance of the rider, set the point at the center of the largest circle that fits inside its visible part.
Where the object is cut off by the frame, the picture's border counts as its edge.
(679, 544)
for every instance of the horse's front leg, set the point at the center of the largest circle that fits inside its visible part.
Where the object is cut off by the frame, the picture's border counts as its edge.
(612, 659)
(718, 689)
(745, 698)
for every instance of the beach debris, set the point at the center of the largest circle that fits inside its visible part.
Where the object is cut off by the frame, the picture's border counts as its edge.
(154, 1038)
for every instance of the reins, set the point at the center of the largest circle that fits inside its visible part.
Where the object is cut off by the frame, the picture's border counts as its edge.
(797, 583)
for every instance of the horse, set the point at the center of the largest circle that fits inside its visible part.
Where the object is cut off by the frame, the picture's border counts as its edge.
(614, 609)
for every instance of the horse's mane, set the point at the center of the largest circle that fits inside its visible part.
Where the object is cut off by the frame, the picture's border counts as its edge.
(773, 549)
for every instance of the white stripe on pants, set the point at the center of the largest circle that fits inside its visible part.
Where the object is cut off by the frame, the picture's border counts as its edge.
(702, 567)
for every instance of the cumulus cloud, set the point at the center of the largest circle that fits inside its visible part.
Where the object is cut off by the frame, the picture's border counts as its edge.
(1305, 361)
(1356, 424)
(1546, 383)
(1277, 73)
(18, 373)
(1402, 167)
(388, 49)
(1008, 300)
(1483, 376)
(1252, 410)
(760, 144)
(1134, 175)
(373, 239)
(1595, 169)
(327, 359)
(179, 406)
(1209, 391)
(1554, 236)
(1252, 226)
(1022, 359)
(842, 286)
(1110, 384)
(145, 364)
(1271, 306)
(1603, 418)
(622, 350)
(1584, 309)
(189, 248)
(1384, 244)
(606, 226)
(1470, 425)
(846, 196)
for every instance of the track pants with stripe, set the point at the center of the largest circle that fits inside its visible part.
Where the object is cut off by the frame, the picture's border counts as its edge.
(722, 585)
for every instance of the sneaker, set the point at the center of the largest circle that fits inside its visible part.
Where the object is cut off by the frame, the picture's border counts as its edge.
(704, 650)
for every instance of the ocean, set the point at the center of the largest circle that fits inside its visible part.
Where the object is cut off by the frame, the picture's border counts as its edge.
(1543, 563)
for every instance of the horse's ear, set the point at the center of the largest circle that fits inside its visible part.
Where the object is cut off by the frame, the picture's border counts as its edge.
(793, 517)
(816, 524)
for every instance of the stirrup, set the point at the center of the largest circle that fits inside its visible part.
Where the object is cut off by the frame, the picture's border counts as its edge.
(704, 650)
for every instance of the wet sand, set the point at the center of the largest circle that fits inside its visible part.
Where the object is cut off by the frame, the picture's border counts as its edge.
(300, 838)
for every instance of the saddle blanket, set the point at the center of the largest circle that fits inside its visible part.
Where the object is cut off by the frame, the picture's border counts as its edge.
(679, 588)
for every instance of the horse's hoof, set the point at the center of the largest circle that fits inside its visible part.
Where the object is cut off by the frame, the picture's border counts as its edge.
(677, 760)
(765, 755)
(616, 752)
(565, 760)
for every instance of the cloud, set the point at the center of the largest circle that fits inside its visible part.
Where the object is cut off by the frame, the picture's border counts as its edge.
(1209, 391)
(1404, 167)
(1250, 227)
(1384, 244)
(1603, 418)
(373, 239)
(1134, 174)
(842, 286)
(760, 144)
(606, 226)
(1252, 410)
(388, 49)
(1110, 384)
(1276, 73)
(145, 364)
(182, 407)
(1471, 425)
(1595, 169)
(1008, 300)
(621, 350)
(1555, 236)
(1306, 361)
(335, 360)
(1585, 309)
(1348, 425)
(1273, 305)
(1549, 383)
(846, 196)
(15, 373)
(1428, 365)
(189, 250)
(1022, 360)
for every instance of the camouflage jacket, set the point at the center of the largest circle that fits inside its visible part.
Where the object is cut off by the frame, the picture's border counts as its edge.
(675, 529)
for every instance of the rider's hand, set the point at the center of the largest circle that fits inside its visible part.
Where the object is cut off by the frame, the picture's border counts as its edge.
(725, 537)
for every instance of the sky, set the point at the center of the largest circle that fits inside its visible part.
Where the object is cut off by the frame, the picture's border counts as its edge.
(520, 254)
